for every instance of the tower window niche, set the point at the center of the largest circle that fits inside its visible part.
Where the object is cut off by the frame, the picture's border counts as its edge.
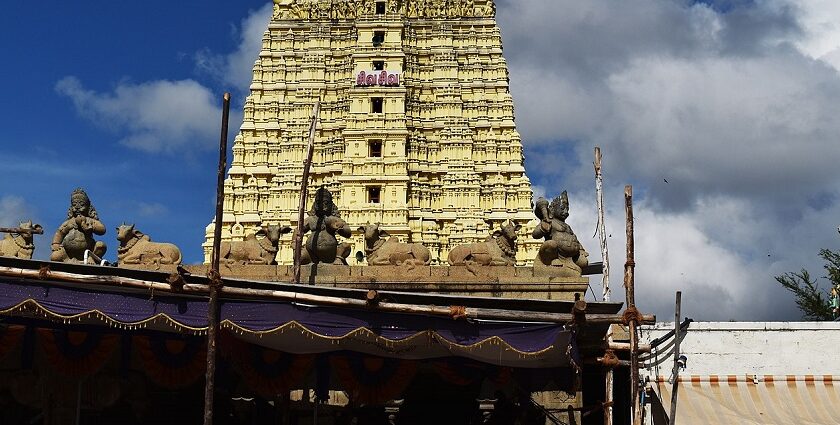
(378, 65)
(378, 38)
(376, 105)
(380, 8)
(375, 148)
(374, 194)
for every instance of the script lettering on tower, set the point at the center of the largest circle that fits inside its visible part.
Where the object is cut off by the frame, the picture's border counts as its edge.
(378, 78)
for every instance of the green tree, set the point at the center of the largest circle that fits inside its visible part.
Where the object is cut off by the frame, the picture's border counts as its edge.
(814, 302)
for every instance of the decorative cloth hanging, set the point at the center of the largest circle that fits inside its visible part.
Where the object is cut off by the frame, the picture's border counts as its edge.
(10, 337)
(267, 372)
(463, 372)
(172, 362)
(77, 354)
(372, 380)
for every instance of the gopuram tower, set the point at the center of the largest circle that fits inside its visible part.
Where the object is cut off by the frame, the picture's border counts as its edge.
(416, 129)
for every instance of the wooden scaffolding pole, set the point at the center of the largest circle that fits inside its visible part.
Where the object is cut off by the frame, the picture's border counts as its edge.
(215, 277)
(605, 279)
(676, 372)
(304, 184)
(37, 230)
(631, 312)
(599, 190)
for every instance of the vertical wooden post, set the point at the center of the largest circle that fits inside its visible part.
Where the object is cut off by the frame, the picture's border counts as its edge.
(304, 184)
(676, 372)
(599, 190)
(605, 278)
(215, 277)
(629, 289)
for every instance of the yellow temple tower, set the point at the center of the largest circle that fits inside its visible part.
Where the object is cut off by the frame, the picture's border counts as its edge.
(416, 129)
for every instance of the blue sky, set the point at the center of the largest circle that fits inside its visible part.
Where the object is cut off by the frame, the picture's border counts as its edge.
(735, 103)
(50, 148)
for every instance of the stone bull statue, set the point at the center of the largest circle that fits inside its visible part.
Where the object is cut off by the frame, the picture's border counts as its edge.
(498, 250)
(385, 252)
(259, 248)
(20, 245)
(137, 248)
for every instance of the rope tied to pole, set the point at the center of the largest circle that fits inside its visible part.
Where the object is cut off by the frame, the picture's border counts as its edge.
(44, 272)
(632, 314)
(176, 282)
(215, 279)
(457, 312)
(610, 360)
(604, 405)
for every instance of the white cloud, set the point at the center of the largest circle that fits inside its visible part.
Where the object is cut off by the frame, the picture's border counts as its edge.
(236, 68)
(821, 22)
(154, 116)
(735, 105)
(174, 116)
(151, 209)
(13, 210)
(724, 268)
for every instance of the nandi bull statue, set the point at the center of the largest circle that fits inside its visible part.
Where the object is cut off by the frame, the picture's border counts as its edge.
(385, 252)
(259, 249)
(20, 244)
(73, 241)
(561, 254)
(498, 250)
(325, 222)
(137, 248)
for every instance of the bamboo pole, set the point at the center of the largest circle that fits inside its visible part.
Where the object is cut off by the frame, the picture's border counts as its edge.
(605, 279)
(605, 258)
(432, 310)
(304, 184)
(622, 346)
(676, 372)
(607, 363)
(322, 300)
(629, 289)
(215, 277)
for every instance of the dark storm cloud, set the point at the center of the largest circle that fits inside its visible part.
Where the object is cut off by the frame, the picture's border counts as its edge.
(717, 98)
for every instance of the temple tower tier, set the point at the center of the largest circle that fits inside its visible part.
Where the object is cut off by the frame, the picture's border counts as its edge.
(416, 130)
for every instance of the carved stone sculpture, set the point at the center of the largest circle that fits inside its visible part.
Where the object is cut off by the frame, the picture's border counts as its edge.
(260, 248)
(75, 235)
(324, 221)
(498, 250)
(391, 252)
(20, 245)
(561, 254)
(138, 248)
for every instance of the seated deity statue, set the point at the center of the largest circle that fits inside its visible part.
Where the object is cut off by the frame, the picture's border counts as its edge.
(75, 235)
(561, 255)
(325, 222)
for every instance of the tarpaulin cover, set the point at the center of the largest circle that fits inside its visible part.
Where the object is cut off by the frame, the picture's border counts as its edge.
(296, 328)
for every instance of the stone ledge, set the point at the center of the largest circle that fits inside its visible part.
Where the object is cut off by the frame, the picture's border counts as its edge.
(492, 281)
